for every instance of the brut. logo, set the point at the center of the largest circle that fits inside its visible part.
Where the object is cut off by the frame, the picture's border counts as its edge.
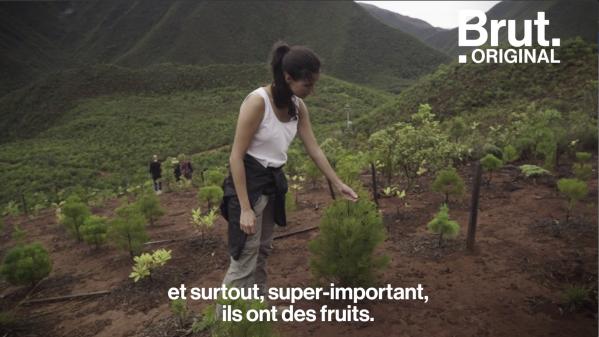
(521, 51)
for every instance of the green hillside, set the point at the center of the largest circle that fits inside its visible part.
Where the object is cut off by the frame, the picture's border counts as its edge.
(353, 45)
(29, 33)
(489, 93)
(104, 123)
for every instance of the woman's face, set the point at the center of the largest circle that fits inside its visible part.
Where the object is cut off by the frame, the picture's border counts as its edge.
(302, 88)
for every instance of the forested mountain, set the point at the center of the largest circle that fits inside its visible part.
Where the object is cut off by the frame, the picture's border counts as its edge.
(567, 20)
(38, 37)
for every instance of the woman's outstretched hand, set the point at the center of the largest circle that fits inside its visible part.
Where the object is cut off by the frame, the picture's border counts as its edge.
(347, 192)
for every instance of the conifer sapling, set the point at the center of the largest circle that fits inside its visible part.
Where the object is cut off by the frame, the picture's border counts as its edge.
(448, 182)
(211, 195)
(442, 225)
(74, 214)
(94, 230)
(149, 205)
(128, 229)
(574, 190)
(491, 163)
(26, 264)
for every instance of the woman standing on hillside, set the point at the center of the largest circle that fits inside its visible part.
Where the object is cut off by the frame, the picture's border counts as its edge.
(254, 198)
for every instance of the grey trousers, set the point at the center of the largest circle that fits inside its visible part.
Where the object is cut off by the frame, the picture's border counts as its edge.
(250, 268)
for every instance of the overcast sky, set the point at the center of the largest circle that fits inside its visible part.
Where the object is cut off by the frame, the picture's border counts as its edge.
(442, 14)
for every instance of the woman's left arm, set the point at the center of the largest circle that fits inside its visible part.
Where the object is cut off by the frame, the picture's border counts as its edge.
(306, 134)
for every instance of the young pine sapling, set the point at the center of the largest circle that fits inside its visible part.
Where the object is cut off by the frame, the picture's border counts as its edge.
(574, 190)
(210, 195)
(491, 163)
(448, 182)
(94, 230)
(442, 225)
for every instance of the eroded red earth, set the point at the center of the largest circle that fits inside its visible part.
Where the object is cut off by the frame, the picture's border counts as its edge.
(512, 285)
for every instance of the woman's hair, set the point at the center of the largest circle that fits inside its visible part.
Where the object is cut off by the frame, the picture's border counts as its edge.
(299, 62)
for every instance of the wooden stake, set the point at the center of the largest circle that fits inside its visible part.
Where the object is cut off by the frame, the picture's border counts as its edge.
(474, 206)
(375, 193)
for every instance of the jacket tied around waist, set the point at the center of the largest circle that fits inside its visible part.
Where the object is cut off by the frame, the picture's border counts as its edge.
(259, 180)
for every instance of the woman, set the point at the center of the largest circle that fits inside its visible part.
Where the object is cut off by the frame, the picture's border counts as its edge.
(253, 202)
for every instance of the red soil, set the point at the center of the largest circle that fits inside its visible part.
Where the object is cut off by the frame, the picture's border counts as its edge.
(512, 285)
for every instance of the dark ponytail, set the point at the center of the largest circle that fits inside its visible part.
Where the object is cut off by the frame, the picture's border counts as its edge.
(299, 62)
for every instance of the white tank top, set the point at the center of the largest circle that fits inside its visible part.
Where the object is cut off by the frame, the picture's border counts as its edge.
(271, 140)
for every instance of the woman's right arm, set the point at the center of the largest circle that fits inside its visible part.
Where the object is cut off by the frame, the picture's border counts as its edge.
(250, 116)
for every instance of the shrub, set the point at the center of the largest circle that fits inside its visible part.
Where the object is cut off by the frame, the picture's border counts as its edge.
(510, 154)
(349, 167)
(312, 172)
(457, 128)
(574, 190)
(58, 211)
(18, 235)
(128, 229)
(383, 146)
(245, 328)
(149, 206)
(442, 225)
(415, 147)
(26, 264)
(533, 171)
(94, 230)
(582, 171)
(448, 182)
(296, 186)
(491, 163)
(295, 161)
(583, 157)
(8, 320)
(184, 184)
(180, 310)
(203, 222)
(333, 149)
(146, 263)
(211, 195)
(74, 213)
(575, 297)
(547, 147)
(344, 249)
(393, 191)
(11, 209)
(290, 204)
(169, 183)
(492, 149)
(213, 177)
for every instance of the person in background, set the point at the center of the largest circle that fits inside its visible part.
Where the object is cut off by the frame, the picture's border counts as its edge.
(186, 169)
(156, 173)
(177, 169)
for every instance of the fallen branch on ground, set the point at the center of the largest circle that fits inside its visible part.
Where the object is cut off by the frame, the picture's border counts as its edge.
(284, 235)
